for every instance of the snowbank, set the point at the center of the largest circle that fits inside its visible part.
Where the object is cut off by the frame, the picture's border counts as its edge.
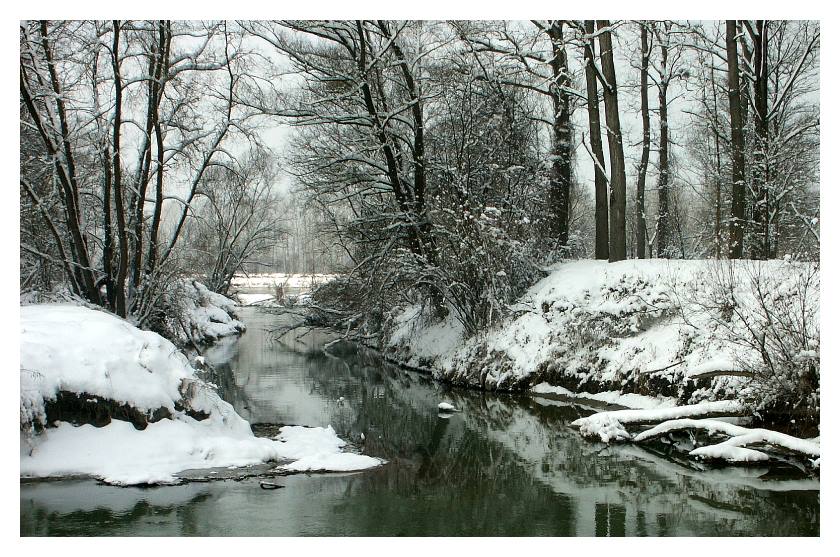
(104, 364)
(73, 349)
(638, 327)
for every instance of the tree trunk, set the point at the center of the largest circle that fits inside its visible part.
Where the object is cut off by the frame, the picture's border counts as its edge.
(760, 246)
(602, 226)
(663, 220)
(618, 182)
(737, 223)
(641, 225)
(66, 172)
(154, 226)
(718, 167)
(561, 140)
(119, 207)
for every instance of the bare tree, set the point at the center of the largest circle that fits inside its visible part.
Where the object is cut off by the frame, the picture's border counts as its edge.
(602, 223)
(618, 181)
(92, 91)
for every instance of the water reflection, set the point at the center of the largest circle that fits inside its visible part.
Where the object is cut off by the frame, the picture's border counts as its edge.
(505, 465)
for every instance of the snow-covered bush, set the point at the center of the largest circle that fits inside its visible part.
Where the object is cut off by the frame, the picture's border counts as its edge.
(487, 270)
(768, 317)
(193, 314)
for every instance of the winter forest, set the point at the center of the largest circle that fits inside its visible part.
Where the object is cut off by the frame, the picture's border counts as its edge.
(297, 235)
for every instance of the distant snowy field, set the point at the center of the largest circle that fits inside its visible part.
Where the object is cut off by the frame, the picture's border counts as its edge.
(103, 359)
(271, 280)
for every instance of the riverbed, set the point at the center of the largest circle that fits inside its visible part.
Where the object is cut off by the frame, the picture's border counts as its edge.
(504, 465)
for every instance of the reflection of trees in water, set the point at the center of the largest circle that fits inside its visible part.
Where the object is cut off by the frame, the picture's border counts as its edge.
(505, 465)
(509, 445)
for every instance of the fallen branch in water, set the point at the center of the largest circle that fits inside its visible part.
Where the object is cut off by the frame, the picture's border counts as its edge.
(609, 426)
(741, 444)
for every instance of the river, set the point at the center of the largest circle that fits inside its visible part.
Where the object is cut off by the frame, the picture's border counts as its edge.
(505, 465)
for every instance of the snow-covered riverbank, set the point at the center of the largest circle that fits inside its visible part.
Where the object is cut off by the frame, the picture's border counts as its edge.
(681, 332)
(81, 368)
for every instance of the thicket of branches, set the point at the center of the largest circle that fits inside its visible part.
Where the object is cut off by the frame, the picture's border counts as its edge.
(129, 131)
(445, 162)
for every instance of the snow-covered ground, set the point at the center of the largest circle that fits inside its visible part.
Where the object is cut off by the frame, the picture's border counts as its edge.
(263, 280)
(106, 362)
(633, 326)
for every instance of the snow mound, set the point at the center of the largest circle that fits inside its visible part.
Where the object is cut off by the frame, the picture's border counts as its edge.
(74, 349)
(191, 426)
(319, 449)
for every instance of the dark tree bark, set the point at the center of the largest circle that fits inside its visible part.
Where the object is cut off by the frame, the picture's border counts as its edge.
(151, 257)
(561, 139)
(618, 181)
(761, 244)
(641, 223)
(59, 148)
(737, 222)
(718, 166)
(602, 226)
(663, 220)
(119, 207)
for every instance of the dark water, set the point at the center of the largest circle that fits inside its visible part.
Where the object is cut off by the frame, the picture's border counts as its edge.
(506, 465)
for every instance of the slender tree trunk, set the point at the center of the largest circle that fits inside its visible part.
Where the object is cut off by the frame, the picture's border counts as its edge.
(761, 175)
(663, 220)
(618, 181)
(119, 207)
(154, 226)
(561, 164)
(602, 225)
(108, 240)
(152, 107)
(718, 169)
(641, 225)
(737, 222)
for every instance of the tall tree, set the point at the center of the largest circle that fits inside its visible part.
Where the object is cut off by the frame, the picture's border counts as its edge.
(618, 181)
(602, 223)
(737, 222)
(542, 69)
(663, 218)
(641, 221)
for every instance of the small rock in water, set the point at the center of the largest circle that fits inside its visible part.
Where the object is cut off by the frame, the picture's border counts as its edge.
(269, 485)
(446, 407)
